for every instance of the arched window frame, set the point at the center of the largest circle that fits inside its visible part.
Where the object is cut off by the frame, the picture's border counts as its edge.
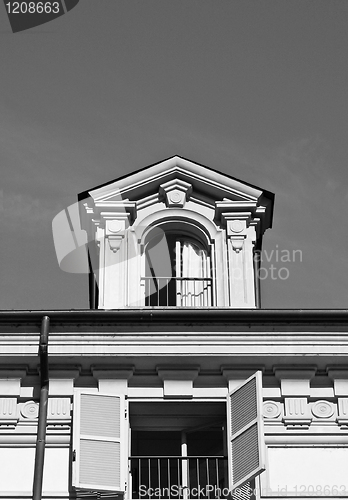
(201, 232)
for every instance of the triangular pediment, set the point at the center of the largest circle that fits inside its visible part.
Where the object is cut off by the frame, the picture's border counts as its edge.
(206, 184)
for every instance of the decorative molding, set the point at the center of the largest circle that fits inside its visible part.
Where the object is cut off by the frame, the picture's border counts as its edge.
(113, 380)
(175, 193)
(115, 228)
(114, 208)
(30, 410)
(296, 412)
(271, 409)
(228, 210)
(322, 409)
(236, 376)
(342, 418)
(236, 226)
(340, 380)
(10, 381)
(115, 242)
(62, 381)
(237, 243)
(193, 221)
(54, 439)
(8, 411)
(58, 410)
(10, 388)
(177, 381)
(295, 382)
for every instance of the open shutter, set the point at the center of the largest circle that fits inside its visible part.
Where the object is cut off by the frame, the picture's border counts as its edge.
(246, 448)
(100, 441)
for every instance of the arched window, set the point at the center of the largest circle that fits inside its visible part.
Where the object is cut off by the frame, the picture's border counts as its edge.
(177, 271)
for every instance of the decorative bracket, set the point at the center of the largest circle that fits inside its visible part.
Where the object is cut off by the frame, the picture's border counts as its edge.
(237, 243)
(115, 228)
(115, 242)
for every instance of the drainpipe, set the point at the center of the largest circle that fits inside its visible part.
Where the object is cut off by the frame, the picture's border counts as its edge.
(42, 422)
(257, 258)
(257, 269)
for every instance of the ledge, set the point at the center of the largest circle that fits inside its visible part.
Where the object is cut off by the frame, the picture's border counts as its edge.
(170, 315)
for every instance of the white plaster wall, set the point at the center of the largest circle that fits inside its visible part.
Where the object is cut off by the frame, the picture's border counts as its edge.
(305, 471)
(17, 470)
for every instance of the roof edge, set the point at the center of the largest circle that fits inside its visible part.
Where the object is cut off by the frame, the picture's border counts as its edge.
(170, 315)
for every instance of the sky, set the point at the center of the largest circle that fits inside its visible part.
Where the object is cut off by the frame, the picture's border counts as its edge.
(256, 89)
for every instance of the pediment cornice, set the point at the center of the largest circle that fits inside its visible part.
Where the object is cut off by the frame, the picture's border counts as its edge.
(186, 177)
(147, 180)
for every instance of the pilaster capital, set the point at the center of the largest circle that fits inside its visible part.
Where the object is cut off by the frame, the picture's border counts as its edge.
(236, 224)
(115, 228)
(115, 208)
(240, 210)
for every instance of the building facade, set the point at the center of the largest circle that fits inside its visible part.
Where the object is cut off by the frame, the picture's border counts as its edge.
(175, 383)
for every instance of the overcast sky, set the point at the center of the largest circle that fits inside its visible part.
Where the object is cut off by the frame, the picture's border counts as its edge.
(256, 89)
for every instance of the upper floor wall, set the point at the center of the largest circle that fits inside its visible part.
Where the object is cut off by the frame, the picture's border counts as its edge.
(175, 234)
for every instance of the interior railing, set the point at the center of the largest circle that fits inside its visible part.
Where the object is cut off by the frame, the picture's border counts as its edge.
(174, 291)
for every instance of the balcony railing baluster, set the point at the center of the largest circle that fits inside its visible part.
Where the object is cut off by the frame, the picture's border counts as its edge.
(200, 471)
(198, 481)
(217, 472)
(159, 474)
(169, 483)
(149, 471)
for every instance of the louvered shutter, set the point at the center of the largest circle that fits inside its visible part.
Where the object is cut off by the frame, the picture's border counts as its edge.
(246, 448)
(100, 443)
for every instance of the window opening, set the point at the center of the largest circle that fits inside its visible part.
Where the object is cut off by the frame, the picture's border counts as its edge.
(182, 280)
(179, 463)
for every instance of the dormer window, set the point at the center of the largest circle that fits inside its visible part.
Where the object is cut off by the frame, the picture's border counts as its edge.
(175, 234)
(177, 272)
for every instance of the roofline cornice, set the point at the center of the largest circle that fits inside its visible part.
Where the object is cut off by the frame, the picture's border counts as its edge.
(168, 315)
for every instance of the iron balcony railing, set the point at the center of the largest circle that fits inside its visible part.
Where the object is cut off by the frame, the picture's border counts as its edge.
(174, 477)
(174, 291)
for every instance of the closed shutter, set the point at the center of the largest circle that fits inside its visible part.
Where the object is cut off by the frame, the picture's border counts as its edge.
(246, 448)
(100, 443)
